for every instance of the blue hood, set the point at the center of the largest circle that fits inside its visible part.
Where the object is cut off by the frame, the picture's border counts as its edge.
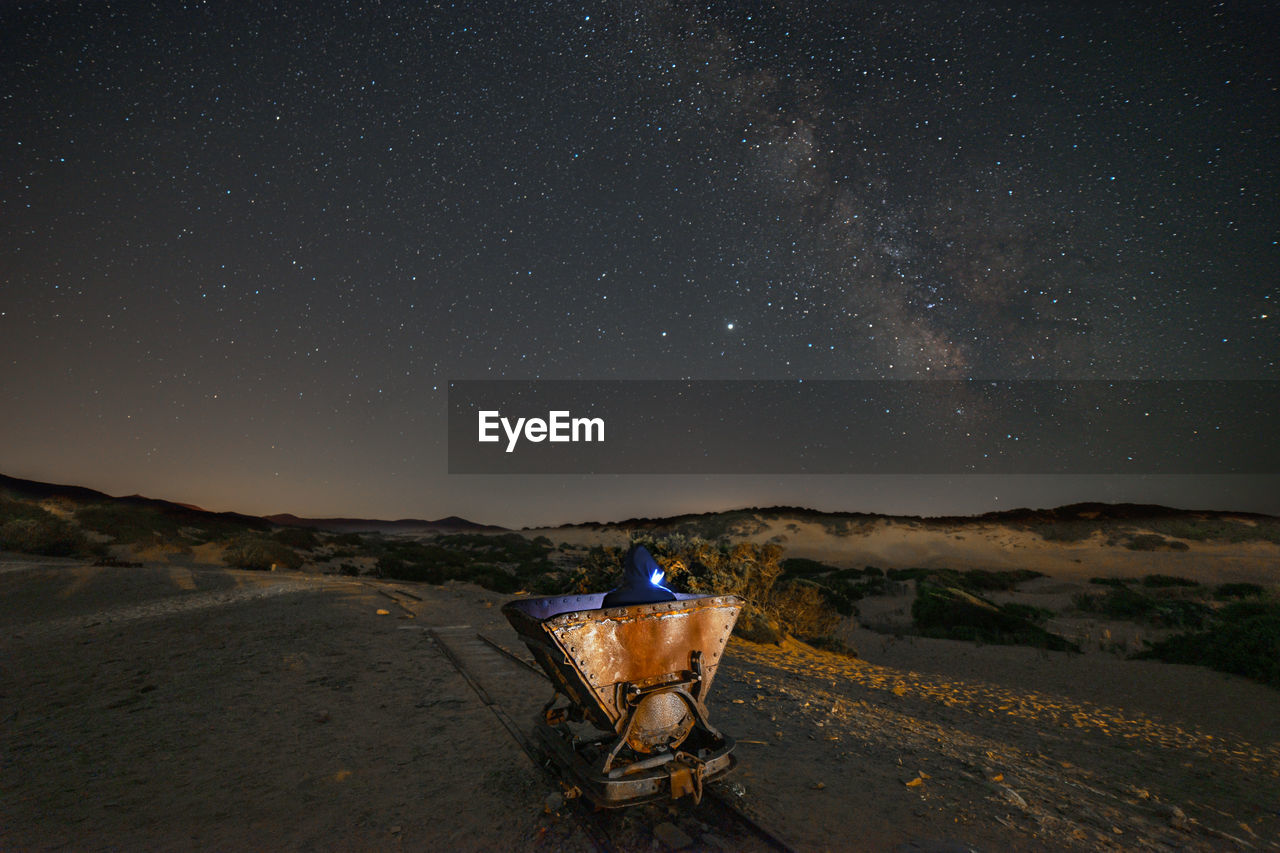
(638, 587)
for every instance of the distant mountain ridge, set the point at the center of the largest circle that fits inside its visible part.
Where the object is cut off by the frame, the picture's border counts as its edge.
(1120, 512)
(34, 490)
(448, 524)
(1022, 515)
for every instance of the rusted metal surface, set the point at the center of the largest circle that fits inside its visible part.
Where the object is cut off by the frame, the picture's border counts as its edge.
(591, 653)
(685, 775)
(647, 780)
(641, 673)
(660, 718)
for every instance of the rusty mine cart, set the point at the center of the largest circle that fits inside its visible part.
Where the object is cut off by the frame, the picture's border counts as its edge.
(640, 673)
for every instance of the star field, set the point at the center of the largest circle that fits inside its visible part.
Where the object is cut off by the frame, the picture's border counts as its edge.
(245, 249)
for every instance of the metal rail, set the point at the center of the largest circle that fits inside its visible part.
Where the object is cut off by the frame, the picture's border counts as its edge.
(507, 723)
(593, 832)
(527, 664)
(718, 801)
(595, 826)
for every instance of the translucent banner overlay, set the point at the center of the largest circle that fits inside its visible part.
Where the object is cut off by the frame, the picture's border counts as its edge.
(864, 427)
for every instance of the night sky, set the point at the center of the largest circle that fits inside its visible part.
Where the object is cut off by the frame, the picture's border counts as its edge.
(245, 247)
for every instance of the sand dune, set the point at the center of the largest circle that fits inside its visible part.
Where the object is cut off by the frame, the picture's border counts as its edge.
(981, 545)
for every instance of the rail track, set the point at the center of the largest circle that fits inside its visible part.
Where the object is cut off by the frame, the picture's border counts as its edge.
(513, 689)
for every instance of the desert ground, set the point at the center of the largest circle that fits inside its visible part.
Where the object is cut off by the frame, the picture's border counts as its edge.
(182, 705)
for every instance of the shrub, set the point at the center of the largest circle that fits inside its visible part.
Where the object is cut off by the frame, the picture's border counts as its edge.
(1221, 529)
(802, 567)
(503, 563)
(50, 536)
(1154, 542)
(391, 566)
(550, 583)
(841, 527)
(297, 537)
(1238, 590)
(756, 627)
(11, 510)
(843, 591)
(1244, 639)
(1108, 581)
(1119, 602)
(493, 578)
(986, 581)
(715, 526)
(951, 613)
(260, 553)
(804, 607)
(744, 569)
(128, 524)
(773, 604)
(600, 569)
(1031, 613)
(1198, 530)
(975, 580)
(1123, 602)
(1167, 580)
(911, 574)
(1179, 613)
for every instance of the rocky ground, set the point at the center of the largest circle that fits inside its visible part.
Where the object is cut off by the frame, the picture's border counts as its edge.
(183, 707)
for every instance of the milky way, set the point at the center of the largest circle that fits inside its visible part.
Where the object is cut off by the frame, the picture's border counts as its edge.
(245, 248)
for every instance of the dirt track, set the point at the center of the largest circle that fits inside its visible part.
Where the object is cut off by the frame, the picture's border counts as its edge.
(154, 708)
(171, 707)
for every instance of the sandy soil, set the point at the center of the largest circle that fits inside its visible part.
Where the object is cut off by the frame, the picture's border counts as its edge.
(192, 707)
(165, 708)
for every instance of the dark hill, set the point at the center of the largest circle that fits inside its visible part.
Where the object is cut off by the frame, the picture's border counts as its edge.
(448, 524)
(181, 514)
(1092, 511)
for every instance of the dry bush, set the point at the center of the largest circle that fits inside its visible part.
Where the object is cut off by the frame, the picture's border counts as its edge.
(49, 536)
(771, 607)
(804, 608)
(257, 552)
